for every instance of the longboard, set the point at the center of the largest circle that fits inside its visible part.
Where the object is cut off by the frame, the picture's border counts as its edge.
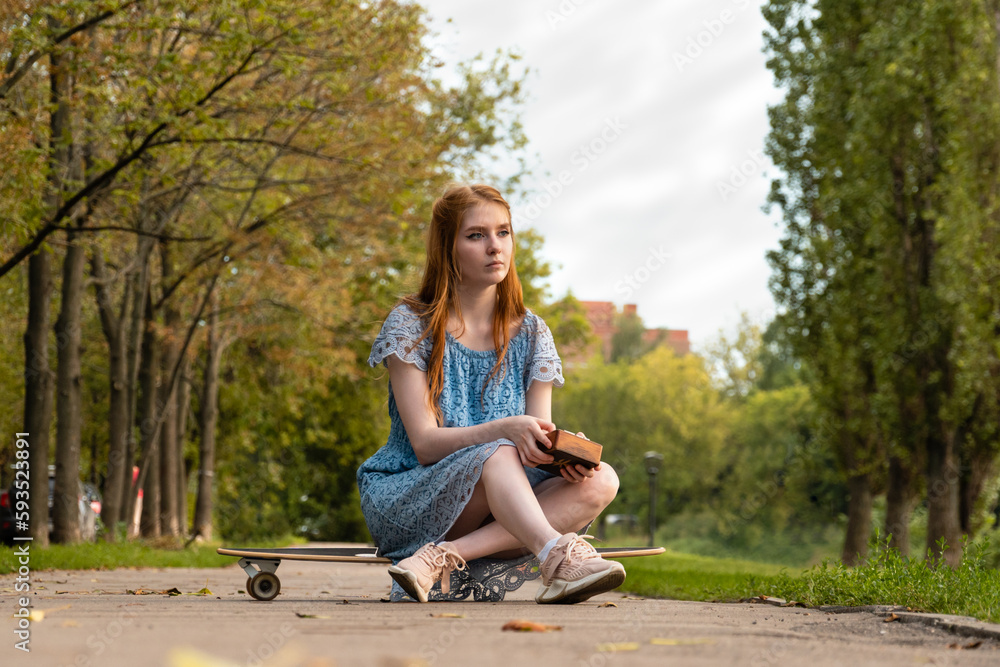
(263, 583)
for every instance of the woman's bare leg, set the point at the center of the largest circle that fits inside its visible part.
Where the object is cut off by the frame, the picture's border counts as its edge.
(524, 519)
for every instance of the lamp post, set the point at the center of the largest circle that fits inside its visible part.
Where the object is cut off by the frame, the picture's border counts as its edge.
(653, 461)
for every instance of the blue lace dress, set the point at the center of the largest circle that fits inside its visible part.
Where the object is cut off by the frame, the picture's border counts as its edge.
(407, 505)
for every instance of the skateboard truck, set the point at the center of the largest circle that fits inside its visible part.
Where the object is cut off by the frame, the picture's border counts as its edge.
(262, 582)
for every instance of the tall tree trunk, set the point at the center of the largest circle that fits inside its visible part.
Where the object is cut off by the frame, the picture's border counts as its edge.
(900, 501)
(38, 387)
(112, 510)
(169, 465)
(977, 453)
(140, 293)
(59, 158)
(65, 503)
(859, 519)
(942, 498)
(183, 408)
(208, 416)
(149, 477)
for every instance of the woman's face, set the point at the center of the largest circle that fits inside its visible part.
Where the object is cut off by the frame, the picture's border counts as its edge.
(485, 246)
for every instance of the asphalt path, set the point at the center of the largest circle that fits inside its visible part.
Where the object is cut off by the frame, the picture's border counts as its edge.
(334, 614)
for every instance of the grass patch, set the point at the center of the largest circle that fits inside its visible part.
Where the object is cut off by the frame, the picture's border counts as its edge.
(691, 577)
(886, 578)
(136, 553)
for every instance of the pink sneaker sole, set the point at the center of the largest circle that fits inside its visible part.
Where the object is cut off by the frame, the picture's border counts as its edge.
(408, 582)
(571, 592)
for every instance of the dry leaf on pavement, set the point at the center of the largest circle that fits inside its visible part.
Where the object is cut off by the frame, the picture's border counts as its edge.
(529, 626)
(142, 591)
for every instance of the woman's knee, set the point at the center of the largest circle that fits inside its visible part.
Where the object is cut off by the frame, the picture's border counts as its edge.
(603, 486)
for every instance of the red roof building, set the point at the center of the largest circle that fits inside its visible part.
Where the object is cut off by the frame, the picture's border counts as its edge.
(603, 316)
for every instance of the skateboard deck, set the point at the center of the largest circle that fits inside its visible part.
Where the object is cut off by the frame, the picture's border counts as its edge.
(263, 583)
(370, 554)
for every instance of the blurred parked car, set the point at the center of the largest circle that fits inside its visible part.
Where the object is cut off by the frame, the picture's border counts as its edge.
(86, 500)
(93, 497)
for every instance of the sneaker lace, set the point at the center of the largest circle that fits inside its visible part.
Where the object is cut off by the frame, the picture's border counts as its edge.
(580, 549)
(443, 560)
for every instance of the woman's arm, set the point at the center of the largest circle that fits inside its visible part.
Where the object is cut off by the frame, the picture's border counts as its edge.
(431, 442)
(538, 400)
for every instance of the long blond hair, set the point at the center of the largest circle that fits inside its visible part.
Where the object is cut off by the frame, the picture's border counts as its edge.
(439, 287)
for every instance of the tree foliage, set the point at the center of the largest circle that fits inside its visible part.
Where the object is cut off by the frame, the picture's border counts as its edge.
(276, 161)
(885, 137)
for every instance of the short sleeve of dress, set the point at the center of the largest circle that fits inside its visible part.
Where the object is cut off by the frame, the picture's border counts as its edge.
(399, 335)
(543, 361)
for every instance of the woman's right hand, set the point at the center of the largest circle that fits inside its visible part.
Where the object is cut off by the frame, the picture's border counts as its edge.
(526, 432)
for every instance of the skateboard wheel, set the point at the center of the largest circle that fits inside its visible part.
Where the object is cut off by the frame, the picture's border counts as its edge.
(247, 587)
(264, 586)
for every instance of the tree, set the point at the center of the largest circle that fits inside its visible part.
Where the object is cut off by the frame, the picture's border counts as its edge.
(872, 273)
(285, 155)
(660, 402)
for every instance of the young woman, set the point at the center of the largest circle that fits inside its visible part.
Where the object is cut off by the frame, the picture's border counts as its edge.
(471, 372)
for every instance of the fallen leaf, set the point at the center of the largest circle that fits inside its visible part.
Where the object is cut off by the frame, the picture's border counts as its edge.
(972, 645)
(190, 657)
(36, 616)
(615, 647)
(447, 615)
(203, 591)
(661, 641)
(890, 618)
(608, 604)
(529, 626)
(142, 591)
(311, 616)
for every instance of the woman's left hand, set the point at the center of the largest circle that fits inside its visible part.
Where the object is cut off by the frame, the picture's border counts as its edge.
(578, 473)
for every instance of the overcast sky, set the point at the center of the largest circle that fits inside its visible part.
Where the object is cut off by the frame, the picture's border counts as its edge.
(653, 115)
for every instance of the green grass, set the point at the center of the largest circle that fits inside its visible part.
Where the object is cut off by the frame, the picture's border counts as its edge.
(106, 556)
(970, 589)
(690, 577)
(886, 578)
